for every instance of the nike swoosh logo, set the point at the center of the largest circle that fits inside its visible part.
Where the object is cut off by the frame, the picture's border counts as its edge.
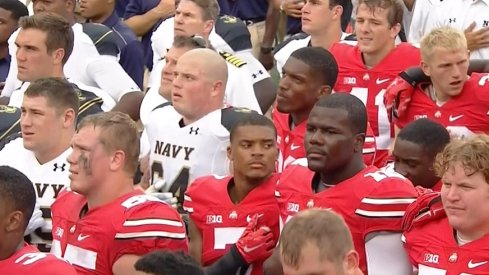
(251, 249)
(474, 265)
(453, 118)
(81, 237)
(248, 218)
(380, 81)
(293, 147)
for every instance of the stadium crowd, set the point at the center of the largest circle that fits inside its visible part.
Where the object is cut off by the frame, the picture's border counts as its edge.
(220, 137)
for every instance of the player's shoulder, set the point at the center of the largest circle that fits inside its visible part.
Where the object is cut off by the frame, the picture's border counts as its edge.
(232, 59)
(43, 263)
(406, 50)
(9, 121)
(102, 37)
(295, 172)
(479, 83)
(293, 43)
(207, 186)
(11, 142)
(234, 32)
(67, 202)
(388, 183)
(231, 115)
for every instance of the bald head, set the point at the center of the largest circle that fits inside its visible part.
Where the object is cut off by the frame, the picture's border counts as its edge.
(213, 65)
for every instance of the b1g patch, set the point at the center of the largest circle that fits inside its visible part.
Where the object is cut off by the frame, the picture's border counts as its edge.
(236, 61)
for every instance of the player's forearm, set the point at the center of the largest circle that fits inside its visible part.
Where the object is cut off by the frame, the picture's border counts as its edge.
(130, 104)
(271, 25)
(141, 24)
(227, 264)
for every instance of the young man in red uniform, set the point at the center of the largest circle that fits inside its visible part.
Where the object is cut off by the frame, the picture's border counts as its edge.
(308, 74)
(415, 149)
(103, 225)
(220, 208)
(371, 201)
(453, 99)
(367, 67)
(451, 236)
(17, 199)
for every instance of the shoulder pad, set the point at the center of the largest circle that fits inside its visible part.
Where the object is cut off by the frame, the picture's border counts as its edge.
(9, 121)
(89, 102)
(234, 32)
(103, 38)
(162, 105)
(10, 138)
(297, 36)
(231, 115)
(236, 61)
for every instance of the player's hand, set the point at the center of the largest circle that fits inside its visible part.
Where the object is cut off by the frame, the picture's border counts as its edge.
(476, 39)
(256, 244)
(292, 7)
(156, 191)
(165, 8)
(266, 59)
(398, 96)
(427, 207)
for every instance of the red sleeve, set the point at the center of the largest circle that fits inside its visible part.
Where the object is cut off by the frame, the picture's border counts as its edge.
(369, 146)
(384, 207)
(54, 266)
(147, 227)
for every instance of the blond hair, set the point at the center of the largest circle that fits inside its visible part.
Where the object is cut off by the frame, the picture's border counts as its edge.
(323, 228)
(117, 132)
(471, 152)
(445, 38)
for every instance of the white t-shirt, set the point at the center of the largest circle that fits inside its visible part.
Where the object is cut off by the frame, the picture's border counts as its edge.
(48, 178)
(85, 65)
(422, 18)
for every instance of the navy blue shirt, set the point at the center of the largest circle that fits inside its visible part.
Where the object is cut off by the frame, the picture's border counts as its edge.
(253, 10)
(139, 7)
(132, 55)
(294, 25)
(4, 67)
(120, 7)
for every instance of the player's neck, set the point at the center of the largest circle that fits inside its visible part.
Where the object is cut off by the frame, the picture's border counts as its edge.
(3, 50)
(299, 117)
(241, 187)
(328, 38)
(114, 187)
(48, 155)
(467, 237)
(348, 171)
(189, 120)
(372, 59)
(8, 247)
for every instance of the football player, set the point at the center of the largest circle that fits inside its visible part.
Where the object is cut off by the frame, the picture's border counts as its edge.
(366, 68)
(17, 200)
(52, 37)
(164, 262)
(321, 26)
(415, 149)
(227, 34)
(371, 201)
(309, 73)
(103, 225)
(452, 99)
(449, 233)
(220, 208)
(192, 138)
(47, 123)
(318, 241)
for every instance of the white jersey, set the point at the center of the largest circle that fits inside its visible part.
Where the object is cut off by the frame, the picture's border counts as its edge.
(108, 103)
(48, 179)
(293, 43)
(179, 154)
(459, 14)
(92, 63)
(162, 40)
(423, 16)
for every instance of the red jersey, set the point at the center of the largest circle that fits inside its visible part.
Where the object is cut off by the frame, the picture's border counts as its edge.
(462, 115)
(369, 85)
(432, 248)
(222, 222)
(291, 141)
(29, 260)
(134, 223)
(371, 201)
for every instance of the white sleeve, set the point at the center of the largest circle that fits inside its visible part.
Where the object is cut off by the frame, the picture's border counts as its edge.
(256, 69)
(36, 220)
(386, 255)
(110, 77)
(12, 83)
(239, 89)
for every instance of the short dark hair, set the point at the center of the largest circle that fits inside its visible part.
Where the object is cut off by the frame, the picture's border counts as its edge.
(18, 191)
(59, 33)
(431, 136)
(164, 262)
(394, 9)
(252, 119)
(343, 3)
(357, 113)
(321, 62)
(16, 8)
(58, 92)
(190, 42)
(210, 8)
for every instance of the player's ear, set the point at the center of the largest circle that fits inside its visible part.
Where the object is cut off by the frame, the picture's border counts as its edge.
(117, 161)
(15, 220)
(228, 151)
(359, 141)
(425, 68)
(350, 262)
(324, 90)
(208, 25)
(395, 29)
(337, 11)
(58, 56)
(69, 118)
